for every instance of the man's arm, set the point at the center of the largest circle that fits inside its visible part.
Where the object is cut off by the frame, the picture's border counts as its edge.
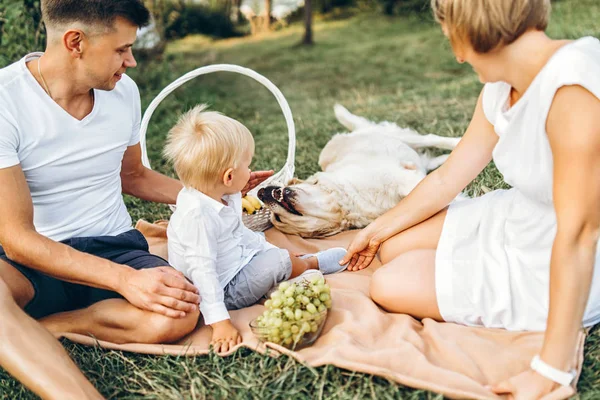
(144, 183)
(158, 289)
(24, 245)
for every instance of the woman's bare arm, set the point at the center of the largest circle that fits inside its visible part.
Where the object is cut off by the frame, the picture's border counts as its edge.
(433, 193)
(573, 128)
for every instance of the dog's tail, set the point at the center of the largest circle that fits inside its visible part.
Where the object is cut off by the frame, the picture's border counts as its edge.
(432, 163)
(349, 120)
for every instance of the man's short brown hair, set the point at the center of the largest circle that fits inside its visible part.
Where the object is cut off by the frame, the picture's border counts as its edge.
(94, 12)
(488, 24)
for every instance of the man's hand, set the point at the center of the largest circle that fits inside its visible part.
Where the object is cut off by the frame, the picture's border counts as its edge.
(256, 177)
(162, 290)
(224, 336)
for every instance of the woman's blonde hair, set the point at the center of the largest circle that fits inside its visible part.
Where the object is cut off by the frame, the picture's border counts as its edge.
(488, 24)
(204, 144)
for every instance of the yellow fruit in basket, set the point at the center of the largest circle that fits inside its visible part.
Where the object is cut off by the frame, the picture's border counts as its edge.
(247, 206)
(254, 201)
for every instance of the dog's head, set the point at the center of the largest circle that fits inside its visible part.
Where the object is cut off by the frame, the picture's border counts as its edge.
(306, 208)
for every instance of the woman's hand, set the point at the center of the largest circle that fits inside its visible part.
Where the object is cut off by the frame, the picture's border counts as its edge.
(361, 251)
(528, 385)
(256, 177)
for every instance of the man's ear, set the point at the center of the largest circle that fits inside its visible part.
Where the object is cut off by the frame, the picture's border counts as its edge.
(228, 177)
(73, 42)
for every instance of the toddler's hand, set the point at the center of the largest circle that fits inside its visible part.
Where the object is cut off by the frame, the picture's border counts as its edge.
(224, 336)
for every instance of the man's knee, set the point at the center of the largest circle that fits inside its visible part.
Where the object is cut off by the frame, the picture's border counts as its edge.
(5, 294)
(7, 302)
(164, 329)
(15, 284)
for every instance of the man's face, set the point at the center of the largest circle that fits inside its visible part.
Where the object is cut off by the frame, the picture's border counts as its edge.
(108, 55)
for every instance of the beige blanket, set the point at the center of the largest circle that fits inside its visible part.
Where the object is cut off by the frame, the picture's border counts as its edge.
(454, 360)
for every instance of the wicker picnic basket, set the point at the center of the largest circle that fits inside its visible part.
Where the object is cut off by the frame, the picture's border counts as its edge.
(260, 220)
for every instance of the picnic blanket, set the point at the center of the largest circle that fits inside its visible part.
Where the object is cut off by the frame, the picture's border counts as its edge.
(451, 359)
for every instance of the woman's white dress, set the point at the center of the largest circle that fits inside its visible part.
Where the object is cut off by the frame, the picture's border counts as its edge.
(493, 258)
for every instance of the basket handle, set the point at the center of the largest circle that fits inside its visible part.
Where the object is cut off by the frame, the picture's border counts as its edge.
(287, 172)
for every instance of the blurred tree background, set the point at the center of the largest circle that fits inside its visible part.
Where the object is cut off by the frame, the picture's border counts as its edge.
(22, 31)
(385, 60)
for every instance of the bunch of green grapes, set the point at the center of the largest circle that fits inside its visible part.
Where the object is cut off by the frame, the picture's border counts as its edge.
(294, 310)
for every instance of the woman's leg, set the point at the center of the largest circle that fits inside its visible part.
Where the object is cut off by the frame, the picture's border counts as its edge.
(406, 285)
(425, 235)
(406, 282)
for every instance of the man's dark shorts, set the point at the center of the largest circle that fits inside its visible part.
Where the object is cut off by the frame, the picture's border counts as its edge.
(53, 295)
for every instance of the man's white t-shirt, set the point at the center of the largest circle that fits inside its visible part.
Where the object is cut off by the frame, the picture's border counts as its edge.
(72, 167)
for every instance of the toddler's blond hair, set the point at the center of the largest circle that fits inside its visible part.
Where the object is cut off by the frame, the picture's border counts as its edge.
(204, 144)
(488, 24)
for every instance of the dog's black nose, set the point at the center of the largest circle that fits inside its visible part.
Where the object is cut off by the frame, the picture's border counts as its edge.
(277, 194)
(266, 194)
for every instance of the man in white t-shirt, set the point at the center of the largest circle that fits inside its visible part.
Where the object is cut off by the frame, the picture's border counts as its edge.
(69, 148)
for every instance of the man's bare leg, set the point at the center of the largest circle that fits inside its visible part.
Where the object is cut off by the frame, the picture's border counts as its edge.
(30, 354)
(117, 321)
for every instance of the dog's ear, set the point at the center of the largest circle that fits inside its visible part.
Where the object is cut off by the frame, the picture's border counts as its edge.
(294, 181)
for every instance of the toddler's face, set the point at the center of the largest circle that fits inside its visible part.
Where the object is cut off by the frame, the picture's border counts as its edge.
(241, 174)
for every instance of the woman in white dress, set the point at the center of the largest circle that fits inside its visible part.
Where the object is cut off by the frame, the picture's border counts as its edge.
(518, 259)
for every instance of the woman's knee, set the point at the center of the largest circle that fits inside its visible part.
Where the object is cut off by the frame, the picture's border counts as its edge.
(407, 284)
(164, 329)
(384, 287)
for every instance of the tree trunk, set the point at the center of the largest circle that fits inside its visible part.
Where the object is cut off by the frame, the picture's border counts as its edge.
(254, 25)
(236, 14)
(267, 20)
(308, 33)
(227, 7)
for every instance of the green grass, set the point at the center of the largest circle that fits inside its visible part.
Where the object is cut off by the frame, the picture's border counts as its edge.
(395, 69)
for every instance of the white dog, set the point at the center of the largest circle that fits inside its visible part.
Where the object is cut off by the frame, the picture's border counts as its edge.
(364, 174)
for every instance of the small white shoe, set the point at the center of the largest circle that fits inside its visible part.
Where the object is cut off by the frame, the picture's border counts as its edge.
(329, 260)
